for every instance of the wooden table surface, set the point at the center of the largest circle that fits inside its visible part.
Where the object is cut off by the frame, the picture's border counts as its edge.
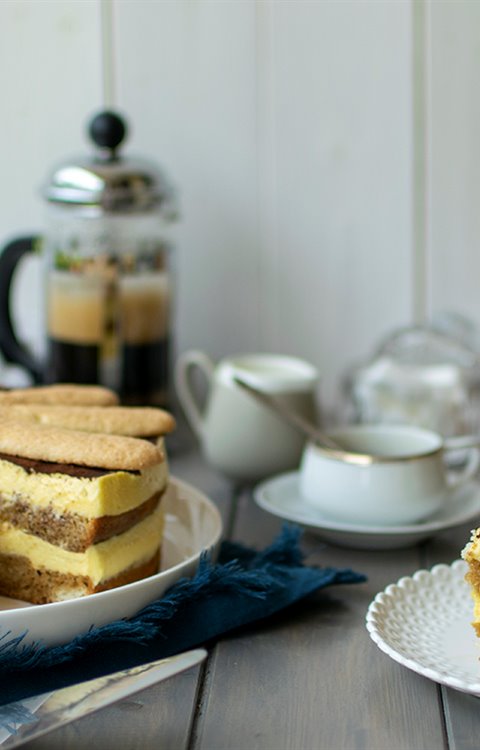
(307, 679)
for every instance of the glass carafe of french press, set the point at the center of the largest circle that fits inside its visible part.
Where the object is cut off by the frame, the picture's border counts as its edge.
(107, 262)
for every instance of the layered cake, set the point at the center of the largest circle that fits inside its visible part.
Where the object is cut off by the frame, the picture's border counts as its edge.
(80, 511)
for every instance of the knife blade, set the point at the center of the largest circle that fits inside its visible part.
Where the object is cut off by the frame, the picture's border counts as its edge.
(23, 721)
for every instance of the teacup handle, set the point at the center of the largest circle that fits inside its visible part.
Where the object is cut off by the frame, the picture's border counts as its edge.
(183, 371)
(456, 478)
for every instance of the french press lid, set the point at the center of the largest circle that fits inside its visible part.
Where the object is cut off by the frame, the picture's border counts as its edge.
(108, 181)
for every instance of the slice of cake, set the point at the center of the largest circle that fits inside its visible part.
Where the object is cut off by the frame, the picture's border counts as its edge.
(471, 554)
(80, 512)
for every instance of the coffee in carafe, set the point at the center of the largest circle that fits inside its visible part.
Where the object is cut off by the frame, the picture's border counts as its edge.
(108, 320)
(108, 275)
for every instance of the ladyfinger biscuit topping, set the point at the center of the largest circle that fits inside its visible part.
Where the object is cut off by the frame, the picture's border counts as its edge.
(116, 420)
(61, 445)
(61, 393)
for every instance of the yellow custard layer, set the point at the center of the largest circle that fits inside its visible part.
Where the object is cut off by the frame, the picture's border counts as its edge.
(100, 562)
(108, 495)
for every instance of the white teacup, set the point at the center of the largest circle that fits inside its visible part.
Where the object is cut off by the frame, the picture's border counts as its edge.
(240, 437)
(387, 475)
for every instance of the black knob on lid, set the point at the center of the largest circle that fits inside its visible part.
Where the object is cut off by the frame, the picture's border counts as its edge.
(107, 130)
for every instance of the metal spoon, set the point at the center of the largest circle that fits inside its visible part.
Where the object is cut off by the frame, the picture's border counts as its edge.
(295, 420)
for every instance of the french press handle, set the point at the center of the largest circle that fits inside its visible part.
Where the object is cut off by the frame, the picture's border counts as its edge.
(12, 350)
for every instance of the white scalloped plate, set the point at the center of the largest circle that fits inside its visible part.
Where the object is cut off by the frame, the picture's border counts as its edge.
(423, 622)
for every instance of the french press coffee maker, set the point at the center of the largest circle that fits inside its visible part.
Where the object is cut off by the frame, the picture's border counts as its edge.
(106, 257)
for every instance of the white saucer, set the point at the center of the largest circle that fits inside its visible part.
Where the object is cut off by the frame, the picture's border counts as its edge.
(281, 497)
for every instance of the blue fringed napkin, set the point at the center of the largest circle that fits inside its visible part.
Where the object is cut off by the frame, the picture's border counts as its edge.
(242, 587)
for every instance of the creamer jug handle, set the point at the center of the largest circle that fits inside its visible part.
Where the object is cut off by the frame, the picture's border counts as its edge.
(186, 363)
(12, 350)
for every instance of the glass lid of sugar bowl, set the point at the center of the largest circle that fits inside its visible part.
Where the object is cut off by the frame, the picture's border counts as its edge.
(427, 375)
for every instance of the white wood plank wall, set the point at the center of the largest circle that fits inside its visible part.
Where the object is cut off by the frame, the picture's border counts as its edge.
(326, 155)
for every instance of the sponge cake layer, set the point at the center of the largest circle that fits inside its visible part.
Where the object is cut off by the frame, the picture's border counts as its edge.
(20, 580)
(98, 563)
(70, 530)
